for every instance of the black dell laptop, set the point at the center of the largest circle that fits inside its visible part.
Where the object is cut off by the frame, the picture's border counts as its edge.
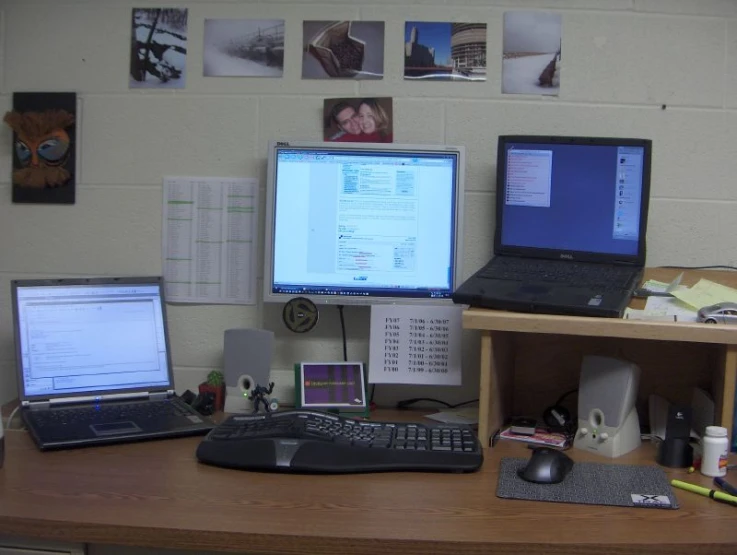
(94, 364)
(571, 217)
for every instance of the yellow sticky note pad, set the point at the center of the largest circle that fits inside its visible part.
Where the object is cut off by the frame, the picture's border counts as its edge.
(706, 293)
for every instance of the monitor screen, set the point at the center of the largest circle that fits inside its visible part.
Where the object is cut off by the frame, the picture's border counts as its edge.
(363, 223)
(90, 335)
(569, 184)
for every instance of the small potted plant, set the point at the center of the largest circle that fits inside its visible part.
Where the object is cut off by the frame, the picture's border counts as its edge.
(215, 384)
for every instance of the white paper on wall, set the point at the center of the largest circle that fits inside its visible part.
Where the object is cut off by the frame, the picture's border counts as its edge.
(415, 344)
(209, 239)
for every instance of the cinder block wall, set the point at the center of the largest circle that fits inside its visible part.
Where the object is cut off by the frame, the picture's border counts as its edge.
(661, 69)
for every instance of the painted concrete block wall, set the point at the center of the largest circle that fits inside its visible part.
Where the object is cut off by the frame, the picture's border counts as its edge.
(660, 69)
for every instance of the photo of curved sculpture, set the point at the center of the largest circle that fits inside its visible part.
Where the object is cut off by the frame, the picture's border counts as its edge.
(445, 51)
(243, 48)
(343, 49)
(531, 60)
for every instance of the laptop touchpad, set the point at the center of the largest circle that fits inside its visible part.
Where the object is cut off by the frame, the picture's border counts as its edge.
(115, 428)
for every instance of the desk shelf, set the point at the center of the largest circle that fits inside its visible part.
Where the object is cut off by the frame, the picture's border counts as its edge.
(674, 357)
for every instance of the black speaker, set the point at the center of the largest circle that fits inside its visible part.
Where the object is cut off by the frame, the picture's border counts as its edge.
(675, 451)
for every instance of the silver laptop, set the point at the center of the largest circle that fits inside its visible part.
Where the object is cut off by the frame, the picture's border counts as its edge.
(93, 362)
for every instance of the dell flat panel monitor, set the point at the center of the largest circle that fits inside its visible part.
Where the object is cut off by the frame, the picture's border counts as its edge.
(363, 223)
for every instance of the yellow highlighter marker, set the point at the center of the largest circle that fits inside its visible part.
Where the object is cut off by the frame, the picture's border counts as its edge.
(706, 492)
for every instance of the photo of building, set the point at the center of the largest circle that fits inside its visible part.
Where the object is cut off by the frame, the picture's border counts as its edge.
(445, 51)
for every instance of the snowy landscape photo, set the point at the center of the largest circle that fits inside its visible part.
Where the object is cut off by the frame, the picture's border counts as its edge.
(531, 60)
(158, 48)
(243, 48)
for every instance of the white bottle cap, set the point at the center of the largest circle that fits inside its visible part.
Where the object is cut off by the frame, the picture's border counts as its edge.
(716, 431)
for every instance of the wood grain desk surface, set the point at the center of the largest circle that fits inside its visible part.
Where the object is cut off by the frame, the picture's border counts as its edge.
(155, 494)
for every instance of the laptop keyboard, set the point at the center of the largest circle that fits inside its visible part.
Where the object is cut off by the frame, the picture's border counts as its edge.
(110, 413)
(555, 271)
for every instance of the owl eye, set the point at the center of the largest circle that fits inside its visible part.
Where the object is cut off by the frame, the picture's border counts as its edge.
(52, 150)
(22, 151)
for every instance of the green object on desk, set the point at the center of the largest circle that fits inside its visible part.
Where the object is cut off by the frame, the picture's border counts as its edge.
(706, 492)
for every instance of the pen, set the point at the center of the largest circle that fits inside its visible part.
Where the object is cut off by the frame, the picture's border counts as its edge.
(726, 486)
(706, 492)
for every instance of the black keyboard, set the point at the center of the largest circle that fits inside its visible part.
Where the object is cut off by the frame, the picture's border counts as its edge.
(559, 271)
(111, 412)
(316, 442)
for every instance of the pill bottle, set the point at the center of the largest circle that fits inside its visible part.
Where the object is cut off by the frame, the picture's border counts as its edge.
(715, 447)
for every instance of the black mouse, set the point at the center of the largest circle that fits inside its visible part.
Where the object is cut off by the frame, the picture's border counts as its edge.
(546, 466)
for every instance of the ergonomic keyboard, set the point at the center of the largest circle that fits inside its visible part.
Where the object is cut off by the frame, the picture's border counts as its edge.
(310, 441)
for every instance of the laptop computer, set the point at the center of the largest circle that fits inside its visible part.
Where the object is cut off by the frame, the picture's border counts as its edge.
(93, 362)
(571, 217)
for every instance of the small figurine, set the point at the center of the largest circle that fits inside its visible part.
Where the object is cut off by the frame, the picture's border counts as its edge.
(258, 396)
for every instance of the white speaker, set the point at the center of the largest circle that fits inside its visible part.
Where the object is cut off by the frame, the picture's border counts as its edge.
(607, 417)
(246, 364)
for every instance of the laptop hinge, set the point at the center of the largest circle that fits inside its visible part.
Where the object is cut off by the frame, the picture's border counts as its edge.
(160, 395)
(42, 405)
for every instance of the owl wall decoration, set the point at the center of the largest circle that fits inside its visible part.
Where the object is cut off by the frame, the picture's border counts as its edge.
(44, 137)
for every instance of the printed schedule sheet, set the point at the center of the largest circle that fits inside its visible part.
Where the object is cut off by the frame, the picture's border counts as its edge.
(208, 233)
(415, 344)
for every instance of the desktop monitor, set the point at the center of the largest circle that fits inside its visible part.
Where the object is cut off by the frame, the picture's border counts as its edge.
(363, 223)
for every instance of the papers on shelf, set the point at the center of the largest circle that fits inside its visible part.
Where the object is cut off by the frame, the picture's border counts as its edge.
(706, 293)
(667, 309)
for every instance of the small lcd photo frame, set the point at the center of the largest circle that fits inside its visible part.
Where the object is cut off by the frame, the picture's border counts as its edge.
(338, 386)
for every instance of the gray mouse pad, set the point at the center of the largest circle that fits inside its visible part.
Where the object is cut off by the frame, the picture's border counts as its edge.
(591, 483)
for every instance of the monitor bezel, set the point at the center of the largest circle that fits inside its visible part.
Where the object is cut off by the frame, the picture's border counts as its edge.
(584, 256)
(274, 146)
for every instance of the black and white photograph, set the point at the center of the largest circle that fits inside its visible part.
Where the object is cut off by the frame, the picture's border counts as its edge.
(158, 48)
(445, 51)
(243, 48)
(531, 53)
(343, 49)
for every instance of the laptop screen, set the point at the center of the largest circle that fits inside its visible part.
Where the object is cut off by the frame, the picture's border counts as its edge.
(575, 195)
(90, 336)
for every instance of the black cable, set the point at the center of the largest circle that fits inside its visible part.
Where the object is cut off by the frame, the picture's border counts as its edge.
(566, 394)
(342, 327)
(715, 267)
(406, 403)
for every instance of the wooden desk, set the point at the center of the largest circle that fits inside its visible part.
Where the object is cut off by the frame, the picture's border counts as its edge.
(528, 360)
(156, 495)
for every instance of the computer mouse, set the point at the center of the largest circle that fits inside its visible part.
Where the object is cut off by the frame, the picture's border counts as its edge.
(546, 466)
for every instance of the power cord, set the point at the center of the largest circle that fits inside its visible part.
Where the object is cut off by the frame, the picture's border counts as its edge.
(342, 328)
(406, 403)
(10, 418)
(714, 267)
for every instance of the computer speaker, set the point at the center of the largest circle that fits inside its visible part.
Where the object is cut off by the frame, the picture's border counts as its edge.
(247, 363)
(607, 417)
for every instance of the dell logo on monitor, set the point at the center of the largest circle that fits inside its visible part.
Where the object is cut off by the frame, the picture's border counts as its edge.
(566, 256)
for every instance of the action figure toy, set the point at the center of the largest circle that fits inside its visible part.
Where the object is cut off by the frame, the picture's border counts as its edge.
(258, 396)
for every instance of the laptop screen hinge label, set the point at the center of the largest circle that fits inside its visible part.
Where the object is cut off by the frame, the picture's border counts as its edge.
(159, 396)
